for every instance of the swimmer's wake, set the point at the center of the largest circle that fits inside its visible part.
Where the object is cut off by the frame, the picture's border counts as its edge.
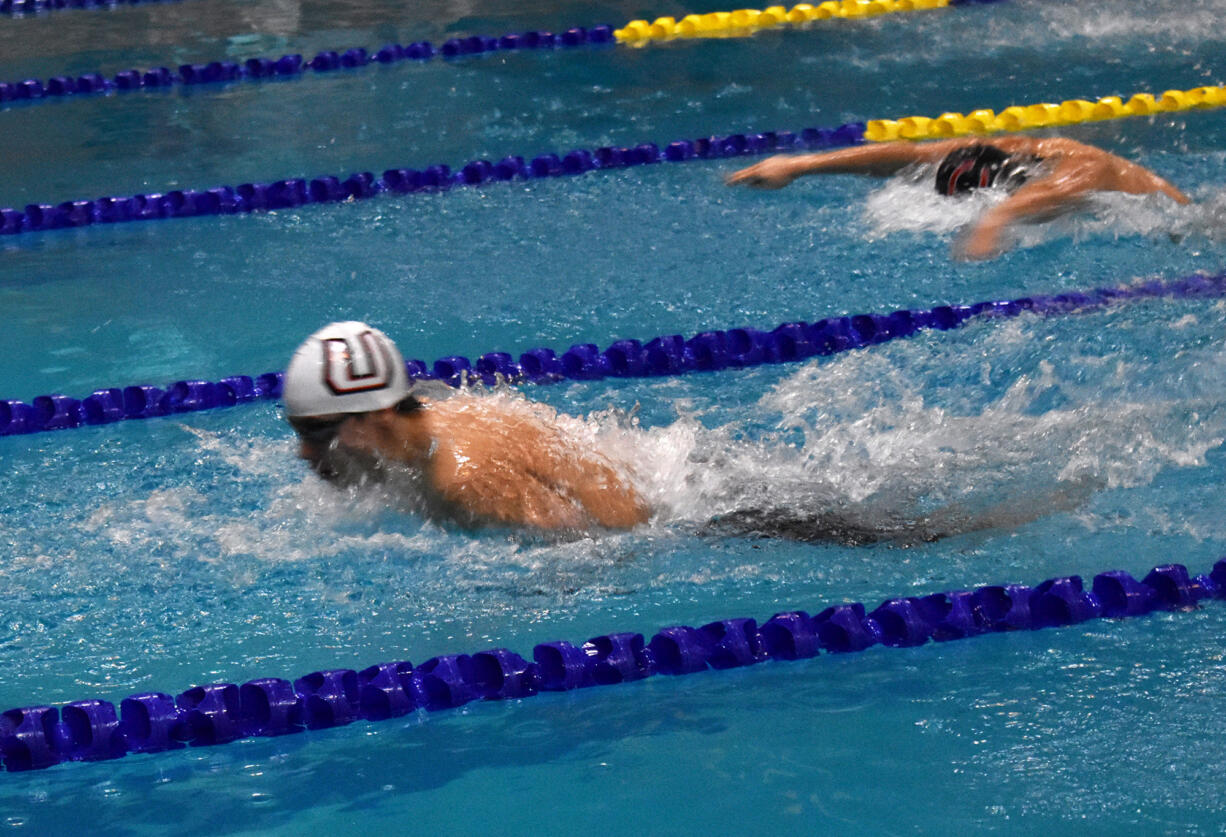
(851, 529)
(878, 465)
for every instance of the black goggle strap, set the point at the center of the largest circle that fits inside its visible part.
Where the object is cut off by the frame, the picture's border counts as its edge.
(318, 432)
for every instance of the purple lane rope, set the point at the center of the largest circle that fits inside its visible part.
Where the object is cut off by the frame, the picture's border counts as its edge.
(664, 355)
(295, 192)
(40, 736)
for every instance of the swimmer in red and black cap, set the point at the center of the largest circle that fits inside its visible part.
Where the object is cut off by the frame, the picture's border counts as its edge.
(1045, 177)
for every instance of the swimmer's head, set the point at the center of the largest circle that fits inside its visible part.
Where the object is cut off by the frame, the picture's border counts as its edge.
(341, 374)
(346, 367)
(977, 166)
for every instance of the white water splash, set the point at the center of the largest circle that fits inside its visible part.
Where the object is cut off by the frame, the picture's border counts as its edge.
(908, 203)
(862, 442)
(873, 453)
(1158, 22)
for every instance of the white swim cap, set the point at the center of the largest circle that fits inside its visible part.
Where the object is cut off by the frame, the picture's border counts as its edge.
(344, 368)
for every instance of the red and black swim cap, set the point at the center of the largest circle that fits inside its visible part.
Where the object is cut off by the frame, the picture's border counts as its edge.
(973, 167)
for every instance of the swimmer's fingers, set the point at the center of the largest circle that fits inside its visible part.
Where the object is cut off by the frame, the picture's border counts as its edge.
(744, 177)
(756, 182)
(768, 174)
(966, 252)
(980, 244)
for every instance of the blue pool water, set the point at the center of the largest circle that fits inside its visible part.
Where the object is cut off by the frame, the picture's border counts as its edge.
(161, 554)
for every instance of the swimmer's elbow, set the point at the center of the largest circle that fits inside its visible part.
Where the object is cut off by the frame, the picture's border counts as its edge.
(632, 514)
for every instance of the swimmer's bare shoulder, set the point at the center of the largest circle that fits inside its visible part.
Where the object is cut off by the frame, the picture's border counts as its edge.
(498, 461)
(1078, 167)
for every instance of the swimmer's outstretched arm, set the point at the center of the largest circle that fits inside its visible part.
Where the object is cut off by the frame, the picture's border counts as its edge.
(1108, 172)
(879, 159)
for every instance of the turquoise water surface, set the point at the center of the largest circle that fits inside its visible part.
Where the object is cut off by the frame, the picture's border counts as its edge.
(161, 554)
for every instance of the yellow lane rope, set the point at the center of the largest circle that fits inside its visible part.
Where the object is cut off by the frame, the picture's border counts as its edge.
(744, 22)
(1044, 115)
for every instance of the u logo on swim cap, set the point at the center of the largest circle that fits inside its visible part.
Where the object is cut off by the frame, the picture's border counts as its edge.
(358, 365)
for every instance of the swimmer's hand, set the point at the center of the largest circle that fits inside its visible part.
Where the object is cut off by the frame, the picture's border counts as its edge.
(772, 173)
(983, 242)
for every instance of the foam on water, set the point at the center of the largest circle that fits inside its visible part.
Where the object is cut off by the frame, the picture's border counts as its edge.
(908, 204)
(860, 441)
(1158, 23)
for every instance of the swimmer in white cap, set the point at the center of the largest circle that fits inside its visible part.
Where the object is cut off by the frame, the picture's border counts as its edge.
(1044, 177)
(475, 460)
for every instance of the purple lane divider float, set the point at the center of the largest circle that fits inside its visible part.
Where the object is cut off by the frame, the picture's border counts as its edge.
(20, 8)
(293, 65)
(295, 192)
(671, 354)
(36, 737)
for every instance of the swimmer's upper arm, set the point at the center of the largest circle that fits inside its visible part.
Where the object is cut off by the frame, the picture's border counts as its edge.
(1073, 177)
(551, 491)
(1107, 171)
(880, 159)
(1140, 180)
(499, 496)
(586, 479)
(609, 499)
(1067, 182)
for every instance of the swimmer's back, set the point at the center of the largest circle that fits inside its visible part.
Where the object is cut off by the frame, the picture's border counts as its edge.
(507, 459)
